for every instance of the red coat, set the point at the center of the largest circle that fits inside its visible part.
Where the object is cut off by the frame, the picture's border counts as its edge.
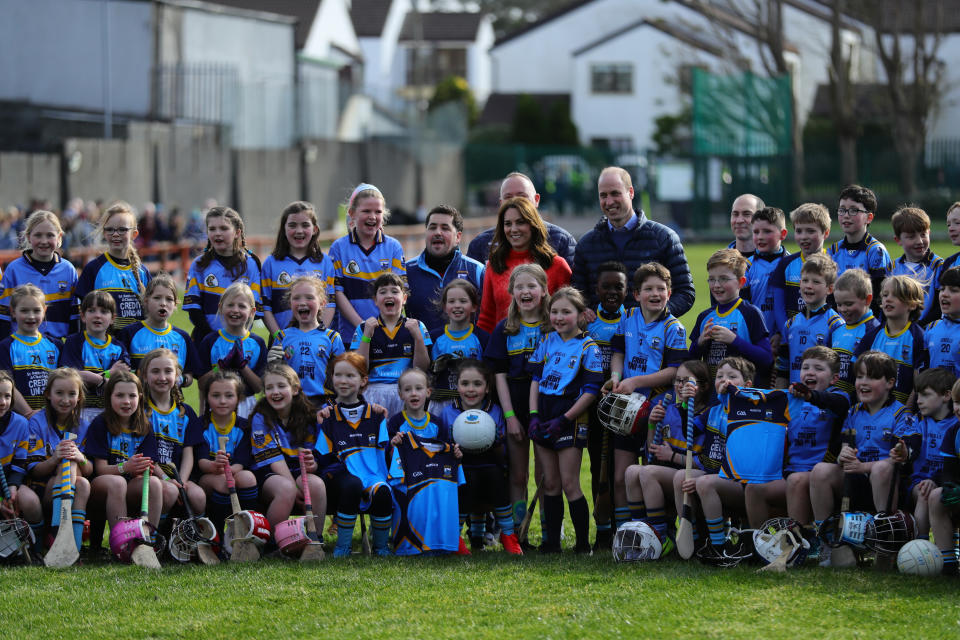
(496, 297)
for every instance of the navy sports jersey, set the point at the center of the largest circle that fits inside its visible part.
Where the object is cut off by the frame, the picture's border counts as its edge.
(356, 268)
(276, 276)
(925, 272)
(391, 350)
(602, 330)
(429, 426)
(307, 353)
(140, 339)
(785, 282)
(357, 436)
(649, 347)
(846, 339)
(206, 286)
(207, 441)
(84, 353)
(566, 370)
(216, 345)
(494, 456)
(758, 290)
(427, 476)
(116, 277)
(870, 255)
(508, 354)
(426, 284)
(272, 443)
(57, 279)
(877, 433)
(747, 323)
(673, 430)
(929, 464)
(950, 449)
(755, 427)
(813, 434)
(12, 452)
(458, 345)
(174, 431)
(102, 444)
(714, 442)
(30, 360)
(941, 339)
(802, 331)
(905, 347)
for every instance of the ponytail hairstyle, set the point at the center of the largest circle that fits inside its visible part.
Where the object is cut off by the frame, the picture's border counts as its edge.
(176, 394)
(139, 424)
(365, 190)
(352, 358)
(62, 373)
(514, 320)
(237, 263)
(35, 219)
(303, 416)
(282, 247)
(121, 208)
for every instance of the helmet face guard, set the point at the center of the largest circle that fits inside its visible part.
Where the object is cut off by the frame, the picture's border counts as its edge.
(848, 528)
(291, 535)
(13, 533)
(188, 534)
(636, 541)
(246, 525)
(886, 533)
(624, 414)
(127, 533)
(776, 537)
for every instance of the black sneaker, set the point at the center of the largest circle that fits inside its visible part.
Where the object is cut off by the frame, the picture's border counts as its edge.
(604, 541)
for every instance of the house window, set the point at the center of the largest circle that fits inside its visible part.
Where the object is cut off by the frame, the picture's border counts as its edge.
(611, 78)
(433, 65)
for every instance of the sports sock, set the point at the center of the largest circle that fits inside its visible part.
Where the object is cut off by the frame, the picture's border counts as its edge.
(55, 512)
(381, 531)
(657, 519)
(621, 515)
(37, 528)
(545, 533)
(715, 527)
(478, 523)
(79, 516)
(949, 562)
(580, 514)
(552, 508)
(504, 519)
(345, 525)
(519, 513)
(638, 510)
(249, 498)
(219, 509)
(956, 543)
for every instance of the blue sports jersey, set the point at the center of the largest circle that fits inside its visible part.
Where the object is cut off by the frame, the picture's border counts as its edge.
(357, 436)
(759, 289)
(429, 426)
(602, 330)
(877, 433)
(272, 443)
(813, 434)
(805, 330)
(173, 430)
(925, 272)
(391, 350)
(755, 426)
(673, 429)
(426, 284)
(116, 277)
(57, 279)
(870, 255)
(276, 276)
(508, 354)
(649, 347)
(905, 347)
(458, 345)
(102, 444)
(30, 360)
(846, 339)
(12, 454)
(744, 320)
(929, 464)
(307, 353)
(933, 312)
(356, 268)
(207, 441)
(785, 281)
(140, 339)
(84, 353)
(941, 339)
(427, 476)
(216, 345)
(950, 449)
(206, 285)
(566, 370)
(39, 437)
(494, 456)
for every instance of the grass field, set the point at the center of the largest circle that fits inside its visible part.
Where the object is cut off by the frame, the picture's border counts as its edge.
(488, 595)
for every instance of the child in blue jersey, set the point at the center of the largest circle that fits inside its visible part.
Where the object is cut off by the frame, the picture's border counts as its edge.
(612, 284)
(733, 327)
(852, 296)
(13, 460)
(118, 271)
(944, 501)
(361, 256)
(911, 230)
(225, 261)
(296, 253)
(174, 425)
(815, 325)
(42, 266)
(122, 447)
(460, 339)
(899, 336)
(156, 331)
(566, 375)
(769, 232)
(858, 249)
(485, 472)
(650, 486)
(93, 352)
(234, 347)
(936, 418)
(282, 424)
(413, 387)
(885, 433)
(648, 346)
(355, 433)
(26, 353)
(811, 227)
(307, 346)
(941, 338)
(390, 342)
(221, 392)
(813, 436)
(511, 344)
(953, 232)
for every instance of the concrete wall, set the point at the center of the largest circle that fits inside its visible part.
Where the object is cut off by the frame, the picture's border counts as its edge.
(266, 181)
(24, 176)
(110, 170)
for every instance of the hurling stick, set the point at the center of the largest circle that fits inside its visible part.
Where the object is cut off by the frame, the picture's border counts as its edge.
(885, 561)
(63, 552)
(601, 505)
(685, 529)
(24, 552)
(313, 551)
(779, 564)
(204, 550)
(844, 556)
(143, 554)
(243, 550)
(524, 527)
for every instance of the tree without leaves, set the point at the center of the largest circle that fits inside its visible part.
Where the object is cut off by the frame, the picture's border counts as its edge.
(842, 95)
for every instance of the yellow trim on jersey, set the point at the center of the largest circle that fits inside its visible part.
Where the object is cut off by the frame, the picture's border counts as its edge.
(391, 333)
(86, 338)
(728, 311)
(156, 332)
(455, 339)
(897, 335)
(18, 338)
(154, 407)
(231, 338)
(110, 259)
(229, 427)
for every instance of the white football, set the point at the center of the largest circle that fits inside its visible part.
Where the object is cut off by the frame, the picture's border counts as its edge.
(474, 430)
(920, 558)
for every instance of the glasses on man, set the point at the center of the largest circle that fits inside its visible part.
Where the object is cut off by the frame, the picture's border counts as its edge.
(844, 212)
(117, 231)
